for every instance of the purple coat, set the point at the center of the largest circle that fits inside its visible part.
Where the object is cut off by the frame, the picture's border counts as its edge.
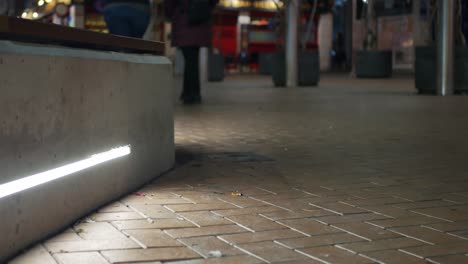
(183, 34)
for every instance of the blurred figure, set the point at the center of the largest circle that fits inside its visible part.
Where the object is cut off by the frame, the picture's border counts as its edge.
(340, 51)
(7, 7)
(129, 18)
(191, 29)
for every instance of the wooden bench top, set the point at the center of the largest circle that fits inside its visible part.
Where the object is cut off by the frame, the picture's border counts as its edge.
(17, 29)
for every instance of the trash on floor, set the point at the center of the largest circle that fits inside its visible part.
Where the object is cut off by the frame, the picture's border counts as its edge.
(236, 194)
(215, 254)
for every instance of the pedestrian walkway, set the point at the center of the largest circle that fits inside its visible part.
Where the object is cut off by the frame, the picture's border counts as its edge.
(354, 171)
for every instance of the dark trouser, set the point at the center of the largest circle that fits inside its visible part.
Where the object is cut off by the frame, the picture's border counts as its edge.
(126, 21)
(191, 73)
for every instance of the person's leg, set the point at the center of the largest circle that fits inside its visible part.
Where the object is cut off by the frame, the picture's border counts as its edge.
(196, 74)
(116, 21)
(185, 92)
(191, 93)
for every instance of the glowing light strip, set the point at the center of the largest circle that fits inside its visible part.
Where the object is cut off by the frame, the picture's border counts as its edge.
(50, 175)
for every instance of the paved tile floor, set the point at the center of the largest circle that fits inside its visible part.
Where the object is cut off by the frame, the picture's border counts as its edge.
(355, 171)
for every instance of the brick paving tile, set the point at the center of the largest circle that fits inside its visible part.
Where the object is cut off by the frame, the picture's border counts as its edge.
(103, 217)
(154, 211)
(279, 189)
(331, 199)
(350, 218)
(249, 191)
(455, 198)
(199, 197)
(394, 257)
(284, 215)
(204, 218)
(254, 223)
(386, 244)
(245, 259)
(36, 255)
(260, 236)
(247, 211)
(156, 192)
(115, 207)
(271, 252)
(153, 238)
(449, 213)
(454, 259)
(389, 211)
(65, 237)
(422, 205)
(349, 186)
(205, 231)
(205, 245)
(426, 234)
(144, 262)
(460, 234)
(309, 227)
(97, 231)
(200, 207)
(153, 224)
(330, 254)
(81, 258)
(409, 221)
(366, 231)
(302, 261)
(318, 241)
(416, 196)
(90, 245)
(438, 250)
(339, 208)
(376, 201)
(294, 204)
(134, 199)
(150, 254)
(293, 195)
(242, 201)
(448, 227)
(366, 194)
(175, 201)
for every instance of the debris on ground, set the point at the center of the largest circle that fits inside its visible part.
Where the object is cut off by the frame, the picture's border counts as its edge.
(236, 194)
(215, 254)
(140, 194)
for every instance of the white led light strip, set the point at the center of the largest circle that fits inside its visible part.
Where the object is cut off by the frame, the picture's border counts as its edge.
(50, 175)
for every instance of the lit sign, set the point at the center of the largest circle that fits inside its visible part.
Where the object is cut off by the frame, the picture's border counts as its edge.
(250, 4)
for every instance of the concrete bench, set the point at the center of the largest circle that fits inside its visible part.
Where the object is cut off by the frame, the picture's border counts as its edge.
(88, 127)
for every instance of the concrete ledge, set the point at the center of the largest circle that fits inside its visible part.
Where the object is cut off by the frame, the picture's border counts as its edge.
(62, 105)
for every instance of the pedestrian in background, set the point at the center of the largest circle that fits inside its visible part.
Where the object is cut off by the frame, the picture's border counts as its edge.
(191, 29)
(129, 18)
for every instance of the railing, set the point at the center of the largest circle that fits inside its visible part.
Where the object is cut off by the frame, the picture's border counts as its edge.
(34, 32)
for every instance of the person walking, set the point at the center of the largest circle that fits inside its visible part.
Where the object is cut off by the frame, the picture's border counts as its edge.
(191, 29)
(129, 18)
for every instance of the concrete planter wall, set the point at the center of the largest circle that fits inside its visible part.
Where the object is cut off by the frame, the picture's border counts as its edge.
(278, 69)
(62, 105)
(265, 61)
(374, 64)
(216, 68)
(426, 69)
(309, 69)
